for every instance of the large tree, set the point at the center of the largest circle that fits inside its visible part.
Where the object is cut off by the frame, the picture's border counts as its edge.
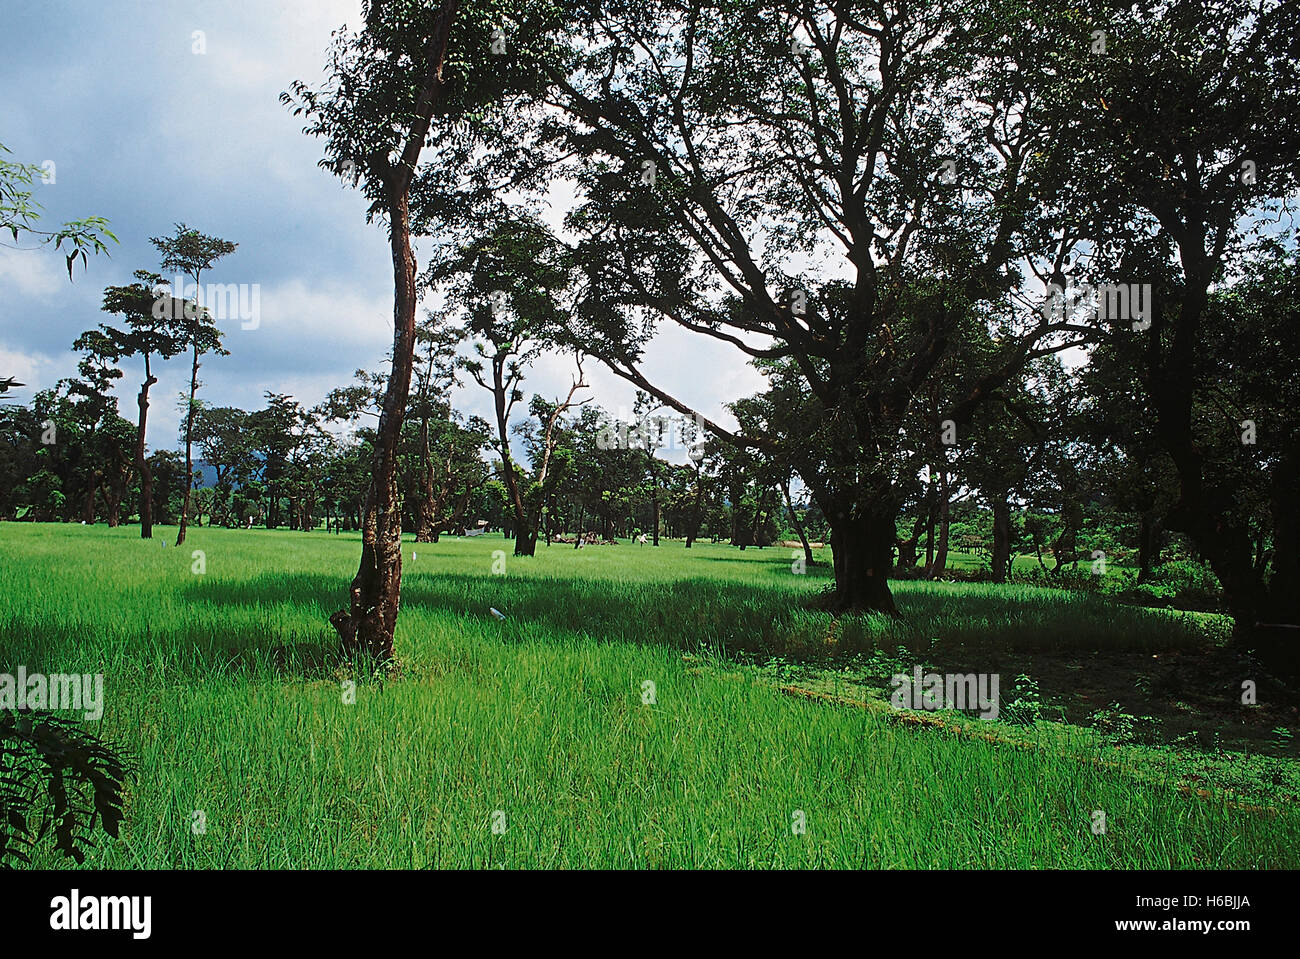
(1190, 149)
(844, 186)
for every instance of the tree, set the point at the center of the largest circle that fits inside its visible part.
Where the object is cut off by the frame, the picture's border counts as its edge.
(450, 464)
(551, 462)
(743, 145)
(282, 434)
(508, 285)
(20, 430)
(649, 436)
(454, 472)
(414, 74)
(1191, 145)
(1008, 444)
(190, 252)
(94, 408)
(224, 437)
(147, 308)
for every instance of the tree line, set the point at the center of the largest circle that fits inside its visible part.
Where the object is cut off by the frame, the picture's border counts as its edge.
(910, 217)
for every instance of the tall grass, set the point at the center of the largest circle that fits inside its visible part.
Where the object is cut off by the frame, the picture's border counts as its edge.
(223, 686)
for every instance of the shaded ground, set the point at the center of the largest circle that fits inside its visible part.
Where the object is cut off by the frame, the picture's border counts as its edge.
(1179, 711)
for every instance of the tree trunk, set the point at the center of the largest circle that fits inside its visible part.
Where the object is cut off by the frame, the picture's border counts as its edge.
(425, 510)
(525, 537)
(862, 545)
(368, 625)
(114, 492)
(939, 563)
(907, 547)
(146, 474)
(930, 518)
(654, 491)
(88, 504)
(189, 447)
(526, 540)
(693, 530)
(798, 526)
(941, 551)
(1001, 537)
(1149, 536)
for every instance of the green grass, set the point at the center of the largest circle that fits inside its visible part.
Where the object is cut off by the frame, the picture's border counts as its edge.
(221, 687)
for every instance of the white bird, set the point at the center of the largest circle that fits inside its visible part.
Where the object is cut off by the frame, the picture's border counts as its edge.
(496, 612)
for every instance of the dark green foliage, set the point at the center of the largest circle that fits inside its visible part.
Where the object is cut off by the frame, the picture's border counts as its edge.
(1182, 585)
(56, 780)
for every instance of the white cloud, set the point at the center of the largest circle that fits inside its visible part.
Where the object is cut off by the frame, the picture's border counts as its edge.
(30, 272)
(36, 371)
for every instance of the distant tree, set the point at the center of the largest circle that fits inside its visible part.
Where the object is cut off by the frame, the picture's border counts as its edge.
(703, 454)
(650, 434)
(226, 441)
(450, 465)
(166, 469)
(455, 472)
(149, 332)
(20, 431)
(508, 284)
(94, 408)
(190, 253)
(552, 459)
(284, 435)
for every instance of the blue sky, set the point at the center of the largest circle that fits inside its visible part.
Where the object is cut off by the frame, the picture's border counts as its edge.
(147, 132)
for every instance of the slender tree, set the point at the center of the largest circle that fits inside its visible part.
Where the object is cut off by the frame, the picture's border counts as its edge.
(415, 74)
(190, 253)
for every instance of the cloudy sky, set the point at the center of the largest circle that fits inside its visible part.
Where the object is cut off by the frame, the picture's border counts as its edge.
(146, 132)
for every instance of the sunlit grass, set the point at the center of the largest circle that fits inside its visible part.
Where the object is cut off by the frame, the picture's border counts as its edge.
(218, 682)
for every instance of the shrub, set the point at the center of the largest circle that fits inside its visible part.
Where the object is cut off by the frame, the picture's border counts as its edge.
(55, 778)
(1182, 584)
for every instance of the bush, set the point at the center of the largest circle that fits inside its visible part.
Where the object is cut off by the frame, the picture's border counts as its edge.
(56, 780)
(1183, 584)
(1080, 579)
